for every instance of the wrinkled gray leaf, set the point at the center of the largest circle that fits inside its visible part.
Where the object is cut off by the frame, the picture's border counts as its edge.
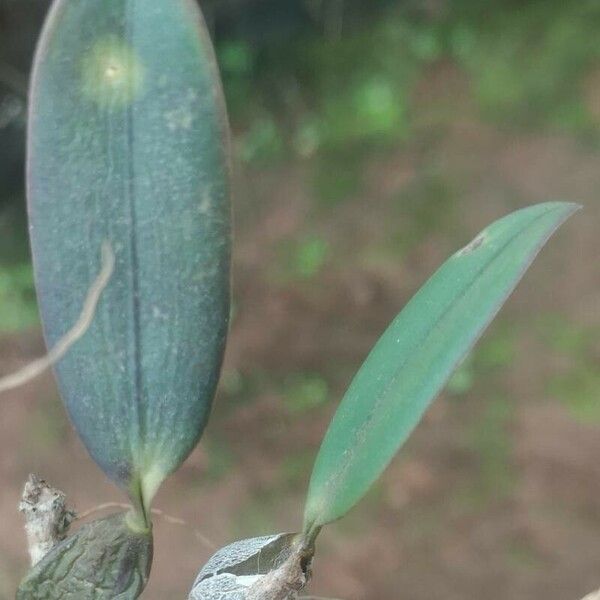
(233, 570)
(220, 587)
(104, 560)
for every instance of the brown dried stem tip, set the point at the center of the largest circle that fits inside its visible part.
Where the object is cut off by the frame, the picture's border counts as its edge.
(47, 518)
(285, 582)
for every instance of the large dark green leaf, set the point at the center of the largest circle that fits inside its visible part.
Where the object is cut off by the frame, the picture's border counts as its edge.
(414, 358)
(104, 560)
(128, 144)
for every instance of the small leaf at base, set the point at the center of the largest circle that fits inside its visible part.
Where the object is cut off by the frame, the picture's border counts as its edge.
(235, 571)
(104, 560)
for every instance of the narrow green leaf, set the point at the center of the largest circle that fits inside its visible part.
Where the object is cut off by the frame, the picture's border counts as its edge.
(128, 144)
(414, 358)
(104, 560)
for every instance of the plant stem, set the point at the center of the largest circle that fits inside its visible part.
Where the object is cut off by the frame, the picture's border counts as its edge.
(288, 580)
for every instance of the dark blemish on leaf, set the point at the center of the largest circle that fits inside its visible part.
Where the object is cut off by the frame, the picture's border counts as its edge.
(473, 245)
(123, 472)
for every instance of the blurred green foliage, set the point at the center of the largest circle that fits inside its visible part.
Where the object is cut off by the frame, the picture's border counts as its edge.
(488, 435)
(490, 439)
(294, 468)
(258, 514)
(262, 143)
(47, 427)
(220, 459)
(577, 383)
(579, 390)
(337, 175)
(496, 351)
(526, 61)
(305, 391)
(426, 206)
(567, 338)
(521, 553)
(325, 93)
(18, 308)
(301, 259)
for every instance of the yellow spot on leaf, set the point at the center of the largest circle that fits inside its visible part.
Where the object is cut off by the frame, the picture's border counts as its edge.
(112, 73)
